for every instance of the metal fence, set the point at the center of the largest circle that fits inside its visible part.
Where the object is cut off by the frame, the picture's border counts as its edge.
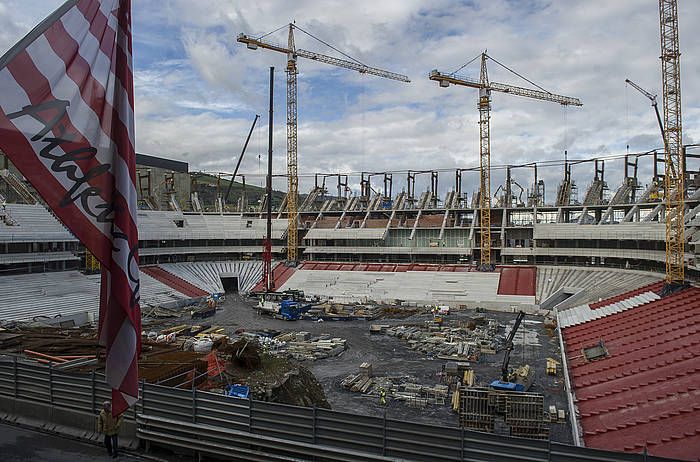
(215, 424)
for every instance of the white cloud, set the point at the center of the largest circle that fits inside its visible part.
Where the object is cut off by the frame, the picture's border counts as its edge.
(196, 98)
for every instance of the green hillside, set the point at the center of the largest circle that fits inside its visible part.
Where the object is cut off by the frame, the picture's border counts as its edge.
(206, 188)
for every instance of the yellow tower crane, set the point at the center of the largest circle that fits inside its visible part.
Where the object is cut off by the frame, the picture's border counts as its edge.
(485, 87)
(292, 54)
(674, 174)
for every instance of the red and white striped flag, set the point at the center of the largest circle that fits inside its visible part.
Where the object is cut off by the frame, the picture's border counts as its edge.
(67, 123)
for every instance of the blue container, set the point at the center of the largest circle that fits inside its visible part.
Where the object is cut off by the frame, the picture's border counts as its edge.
(238, 391)
(507, 386)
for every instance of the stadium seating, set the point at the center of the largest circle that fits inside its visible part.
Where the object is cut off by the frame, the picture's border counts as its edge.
(49, 295)
(69, 292)
(641, 390)
(590, 284)
(32, 223)
(163, 225)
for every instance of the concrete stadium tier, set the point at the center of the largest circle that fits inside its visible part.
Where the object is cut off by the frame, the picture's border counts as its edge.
(32, 223)
(57, 295)
(566, 286)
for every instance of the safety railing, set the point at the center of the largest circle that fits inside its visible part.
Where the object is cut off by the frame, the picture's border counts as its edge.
(216, 424)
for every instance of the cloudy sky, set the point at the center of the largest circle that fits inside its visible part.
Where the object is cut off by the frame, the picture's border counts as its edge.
(198, 90)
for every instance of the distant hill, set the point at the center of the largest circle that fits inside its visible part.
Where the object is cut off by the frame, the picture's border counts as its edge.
(206, 188)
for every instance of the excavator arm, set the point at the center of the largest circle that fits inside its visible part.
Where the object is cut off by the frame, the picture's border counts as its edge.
(509, 346)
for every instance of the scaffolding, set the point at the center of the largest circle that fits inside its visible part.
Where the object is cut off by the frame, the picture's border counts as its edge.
(522, 413)
(92, 264)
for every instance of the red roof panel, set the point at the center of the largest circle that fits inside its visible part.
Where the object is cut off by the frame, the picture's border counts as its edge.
(646, 391)
(516, 280)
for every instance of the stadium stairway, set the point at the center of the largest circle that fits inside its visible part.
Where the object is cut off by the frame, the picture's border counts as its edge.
(173, 281)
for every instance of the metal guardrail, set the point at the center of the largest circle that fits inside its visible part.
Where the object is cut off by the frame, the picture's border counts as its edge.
(255, 430)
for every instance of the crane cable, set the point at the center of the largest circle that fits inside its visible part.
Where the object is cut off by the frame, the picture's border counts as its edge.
(315, 38)
(328, 45)
(466, 64)
(270, 33)
(519, 75)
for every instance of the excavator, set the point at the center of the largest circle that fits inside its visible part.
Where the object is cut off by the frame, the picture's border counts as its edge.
(505, 383)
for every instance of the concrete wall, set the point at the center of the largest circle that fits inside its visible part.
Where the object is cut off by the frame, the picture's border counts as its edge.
(182, 186)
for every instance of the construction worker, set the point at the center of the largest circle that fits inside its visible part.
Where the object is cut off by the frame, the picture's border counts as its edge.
(109, 426)
(382, 396)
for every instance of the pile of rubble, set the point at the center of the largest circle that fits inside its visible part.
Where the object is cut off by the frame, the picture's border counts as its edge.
(401, 388)
(301, 346)
(461, 342)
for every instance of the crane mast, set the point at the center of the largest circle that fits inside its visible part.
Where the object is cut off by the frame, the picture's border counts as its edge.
(484, 105)
(485, 164)
(674, 187)
(292, 146)
(292, 173)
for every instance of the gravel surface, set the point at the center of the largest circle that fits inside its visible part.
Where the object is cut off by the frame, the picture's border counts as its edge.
(391, 357)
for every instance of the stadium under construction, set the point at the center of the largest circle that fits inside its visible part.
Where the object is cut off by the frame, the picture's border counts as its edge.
(473, 314)
(594, 268)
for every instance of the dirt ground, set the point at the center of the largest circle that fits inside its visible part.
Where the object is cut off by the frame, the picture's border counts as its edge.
(391, 357)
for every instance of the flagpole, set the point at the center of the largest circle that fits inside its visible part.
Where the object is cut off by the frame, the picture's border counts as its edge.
(35, 33)
(270, 283)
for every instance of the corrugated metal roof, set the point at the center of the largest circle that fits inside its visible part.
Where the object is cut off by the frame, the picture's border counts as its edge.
(646, 391)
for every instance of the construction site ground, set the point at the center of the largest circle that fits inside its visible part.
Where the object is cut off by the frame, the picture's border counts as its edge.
(390, 356)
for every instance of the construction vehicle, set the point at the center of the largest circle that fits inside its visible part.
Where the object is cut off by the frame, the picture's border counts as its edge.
(652, 98)
(240, 158)
(523, 375)
(291, 310)
(287, 305)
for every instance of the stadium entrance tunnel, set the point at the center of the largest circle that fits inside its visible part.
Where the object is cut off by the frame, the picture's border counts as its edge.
(229, 282)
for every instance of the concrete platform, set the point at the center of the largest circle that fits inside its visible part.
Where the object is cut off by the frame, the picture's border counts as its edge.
(20, 444)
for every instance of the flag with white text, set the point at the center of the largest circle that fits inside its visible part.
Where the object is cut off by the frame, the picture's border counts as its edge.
(67, 124)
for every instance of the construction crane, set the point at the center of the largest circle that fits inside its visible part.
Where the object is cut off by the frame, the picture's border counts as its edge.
(485, 88)
(654, 104)
(240, 158)
(674, 175)
(292, 156)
